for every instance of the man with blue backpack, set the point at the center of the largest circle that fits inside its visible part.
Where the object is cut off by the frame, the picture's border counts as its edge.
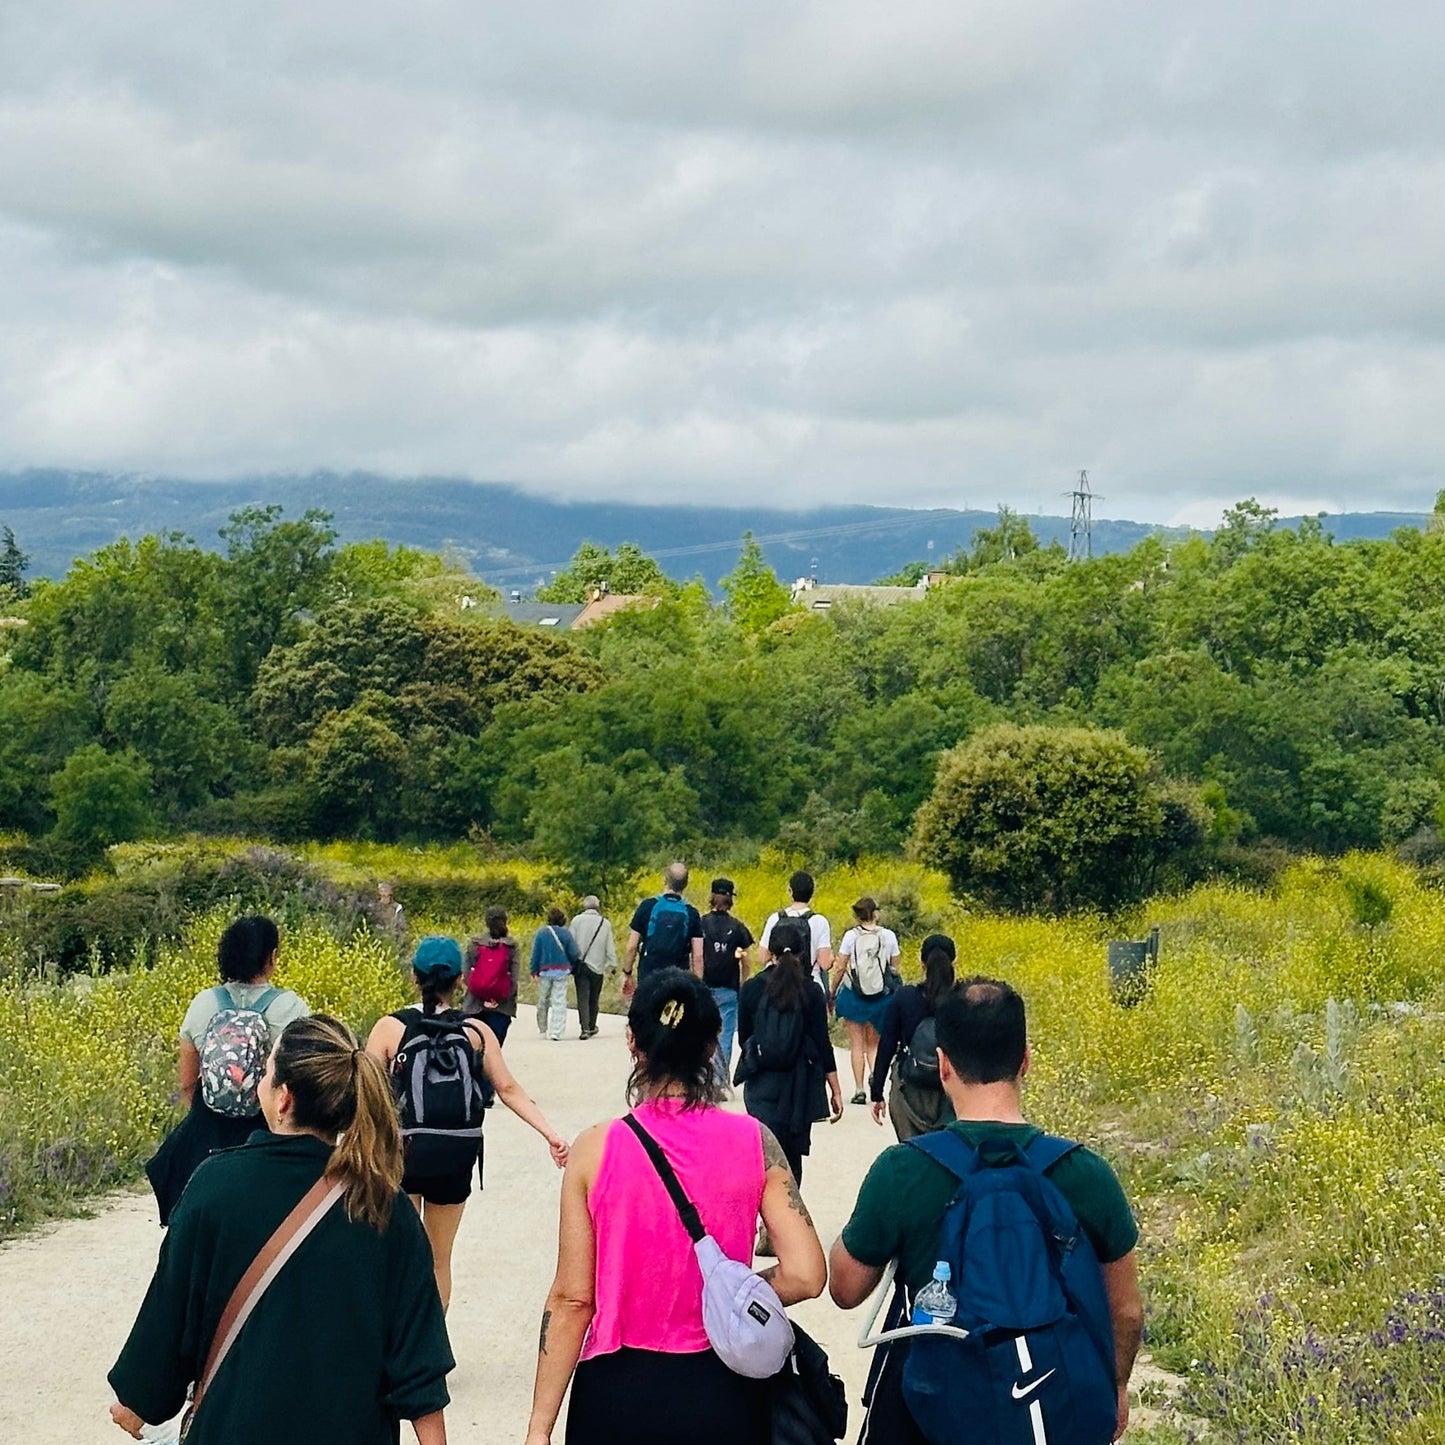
(1015, 1315)
(666, 929)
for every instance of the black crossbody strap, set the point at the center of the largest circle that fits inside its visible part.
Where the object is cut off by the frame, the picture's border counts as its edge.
(687, 1210)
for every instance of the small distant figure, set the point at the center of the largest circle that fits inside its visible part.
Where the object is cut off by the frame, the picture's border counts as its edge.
(391, 915)
(819, 957)
(864, 979)
(597, 950)
(726, 942)
(666, 929)
(554, 956)
(494, 969)
(907, 1057)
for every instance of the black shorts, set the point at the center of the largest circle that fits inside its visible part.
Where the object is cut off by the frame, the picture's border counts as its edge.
(455, 1188)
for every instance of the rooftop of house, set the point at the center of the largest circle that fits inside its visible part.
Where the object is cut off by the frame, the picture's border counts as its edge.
(821, 596)
(559, 616)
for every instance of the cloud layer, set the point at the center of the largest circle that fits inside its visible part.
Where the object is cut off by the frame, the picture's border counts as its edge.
(941, 253)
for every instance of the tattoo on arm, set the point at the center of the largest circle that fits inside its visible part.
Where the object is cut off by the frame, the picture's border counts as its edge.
(768, 1273)
(546, 1324)
(773, 1156)
(795, 1200)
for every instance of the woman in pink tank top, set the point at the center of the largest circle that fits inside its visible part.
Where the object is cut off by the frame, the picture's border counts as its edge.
(623, 1320)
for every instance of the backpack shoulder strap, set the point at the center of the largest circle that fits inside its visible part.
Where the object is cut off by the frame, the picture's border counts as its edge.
(944, 1147)
(266, 1000)
(224, 998)
(1046, 1151)
(687, 1210)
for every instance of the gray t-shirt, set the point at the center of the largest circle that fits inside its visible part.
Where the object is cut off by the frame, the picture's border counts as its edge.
(209, 1002)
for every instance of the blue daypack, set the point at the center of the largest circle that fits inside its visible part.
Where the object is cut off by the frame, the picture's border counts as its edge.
(667, 941)
(1037, 1366)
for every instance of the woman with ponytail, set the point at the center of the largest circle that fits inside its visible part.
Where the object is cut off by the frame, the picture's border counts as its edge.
(348, 1337)
(787, 1056)
(627, 1298)
(438, 1173)
(916, 1101)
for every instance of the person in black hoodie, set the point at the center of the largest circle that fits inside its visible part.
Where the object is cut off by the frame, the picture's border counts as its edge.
(787, 1056)
(915, 1105)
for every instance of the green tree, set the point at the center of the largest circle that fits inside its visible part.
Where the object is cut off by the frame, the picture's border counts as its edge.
(278, 571)
(13, 565)
(599, 822)
(631, 572)
(191, 744)
(756, 599)
(1008, 539)
(1053, 819)
(100, 798)
(41, 723)
(355, 774)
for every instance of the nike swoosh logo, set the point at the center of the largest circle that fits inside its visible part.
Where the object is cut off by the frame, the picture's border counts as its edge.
(1022, 1392)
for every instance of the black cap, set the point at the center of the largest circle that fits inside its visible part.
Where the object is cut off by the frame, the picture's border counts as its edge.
(723, 885)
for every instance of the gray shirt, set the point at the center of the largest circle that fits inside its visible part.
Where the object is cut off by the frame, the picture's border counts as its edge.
(593, 935)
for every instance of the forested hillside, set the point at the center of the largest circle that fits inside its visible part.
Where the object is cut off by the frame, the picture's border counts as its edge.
(291, 687)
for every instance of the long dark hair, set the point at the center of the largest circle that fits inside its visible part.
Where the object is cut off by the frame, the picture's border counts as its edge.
(340, 1089)
(244, 948)
(939, 953)
(786, 982)
(675, 1023)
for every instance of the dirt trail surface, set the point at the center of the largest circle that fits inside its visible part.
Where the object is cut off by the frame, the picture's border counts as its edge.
(71, 1292)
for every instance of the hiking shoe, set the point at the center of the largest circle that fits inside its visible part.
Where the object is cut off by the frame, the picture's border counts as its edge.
(860, 1097)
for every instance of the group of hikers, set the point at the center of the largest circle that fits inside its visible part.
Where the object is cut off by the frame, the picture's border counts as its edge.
(298, 1298)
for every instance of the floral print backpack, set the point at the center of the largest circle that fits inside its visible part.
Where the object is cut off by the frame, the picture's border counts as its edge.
(234, 1050)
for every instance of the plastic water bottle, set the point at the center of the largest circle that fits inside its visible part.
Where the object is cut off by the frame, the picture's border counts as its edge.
(936, 1303)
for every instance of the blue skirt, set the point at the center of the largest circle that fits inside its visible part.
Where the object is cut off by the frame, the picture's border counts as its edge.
(857, 1010)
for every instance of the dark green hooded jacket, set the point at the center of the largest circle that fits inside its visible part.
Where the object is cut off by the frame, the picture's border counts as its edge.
(348, 1341)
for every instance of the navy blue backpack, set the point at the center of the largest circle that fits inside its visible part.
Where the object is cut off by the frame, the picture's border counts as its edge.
(1037, 1365)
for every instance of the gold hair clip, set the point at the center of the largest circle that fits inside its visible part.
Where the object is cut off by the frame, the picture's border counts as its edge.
(672, 1012)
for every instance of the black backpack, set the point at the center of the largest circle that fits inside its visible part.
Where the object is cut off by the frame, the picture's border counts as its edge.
(805, 921)
(919, 1066)
(720, 968)
(441, 1091)
(776, 1041)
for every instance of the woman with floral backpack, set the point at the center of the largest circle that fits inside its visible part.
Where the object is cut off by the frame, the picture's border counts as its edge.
(226, 1037)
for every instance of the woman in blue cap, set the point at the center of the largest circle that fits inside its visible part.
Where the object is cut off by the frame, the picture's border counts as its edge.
(418, 1046)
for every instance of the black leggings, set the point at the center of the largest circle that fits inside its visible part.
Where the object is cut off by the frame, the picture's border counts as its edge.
(632, 1396)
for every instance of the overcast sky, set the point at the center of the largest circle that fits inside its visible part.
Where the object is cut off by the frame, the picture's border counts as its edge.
(923, 253)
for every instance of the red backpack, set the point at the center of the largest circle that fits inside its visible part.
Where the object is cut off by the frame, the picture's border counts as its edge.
(490, 976)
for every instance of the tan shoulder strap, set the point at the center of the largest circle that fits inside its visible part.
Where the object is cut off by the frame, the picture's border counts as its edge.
(287, 1239)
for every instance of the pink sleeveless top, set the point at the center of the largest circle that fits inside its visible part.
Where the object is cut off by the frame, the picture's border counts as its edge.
(649, 1287)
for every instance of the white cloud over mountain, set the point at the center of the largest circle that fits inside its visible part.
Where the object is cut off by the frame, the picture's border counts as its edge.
(936, 253)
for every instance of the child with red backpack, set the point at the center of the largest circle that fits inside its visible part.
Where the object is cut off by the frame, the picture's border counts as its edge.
(493, 967)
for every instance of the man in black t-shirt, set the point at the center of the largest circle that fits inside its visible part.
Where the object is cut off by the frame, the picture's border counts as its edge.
(667, 929)
(725, 944)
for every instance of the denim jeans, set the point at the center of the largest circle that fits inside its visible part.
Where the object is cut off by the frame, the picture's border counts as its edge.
(727, 1002)
(552, 1003)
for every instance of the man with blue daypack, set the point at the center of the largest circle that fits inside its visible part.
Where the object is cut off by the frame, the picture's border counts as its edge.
(667, 930)
(1017, 1295)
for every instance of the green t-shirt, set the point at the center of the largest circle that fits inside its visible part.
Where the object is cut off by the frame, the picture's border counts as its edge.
(905, 1193)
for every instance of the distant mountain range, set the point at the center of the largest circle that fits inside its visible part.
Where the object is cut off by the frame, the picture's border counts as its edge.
(516, 541)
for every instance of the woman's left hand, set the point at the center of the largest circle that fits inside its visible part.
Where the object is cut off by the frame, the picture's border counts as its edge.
(560, 1150)
(836, 1104)
(127, 1419)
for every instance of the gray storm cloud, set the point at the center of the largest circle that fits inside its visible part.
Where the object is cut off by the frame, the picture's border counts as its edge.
(936, 253)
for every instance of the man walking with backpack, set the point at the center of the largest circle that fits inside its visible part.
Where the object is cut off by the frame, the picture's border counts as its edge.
(819, 958)
(1040, 1339)
(666, 929)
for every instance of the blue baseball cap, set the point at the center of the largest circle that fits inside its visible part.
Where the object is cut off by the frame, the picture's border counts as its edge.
(439, 955)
